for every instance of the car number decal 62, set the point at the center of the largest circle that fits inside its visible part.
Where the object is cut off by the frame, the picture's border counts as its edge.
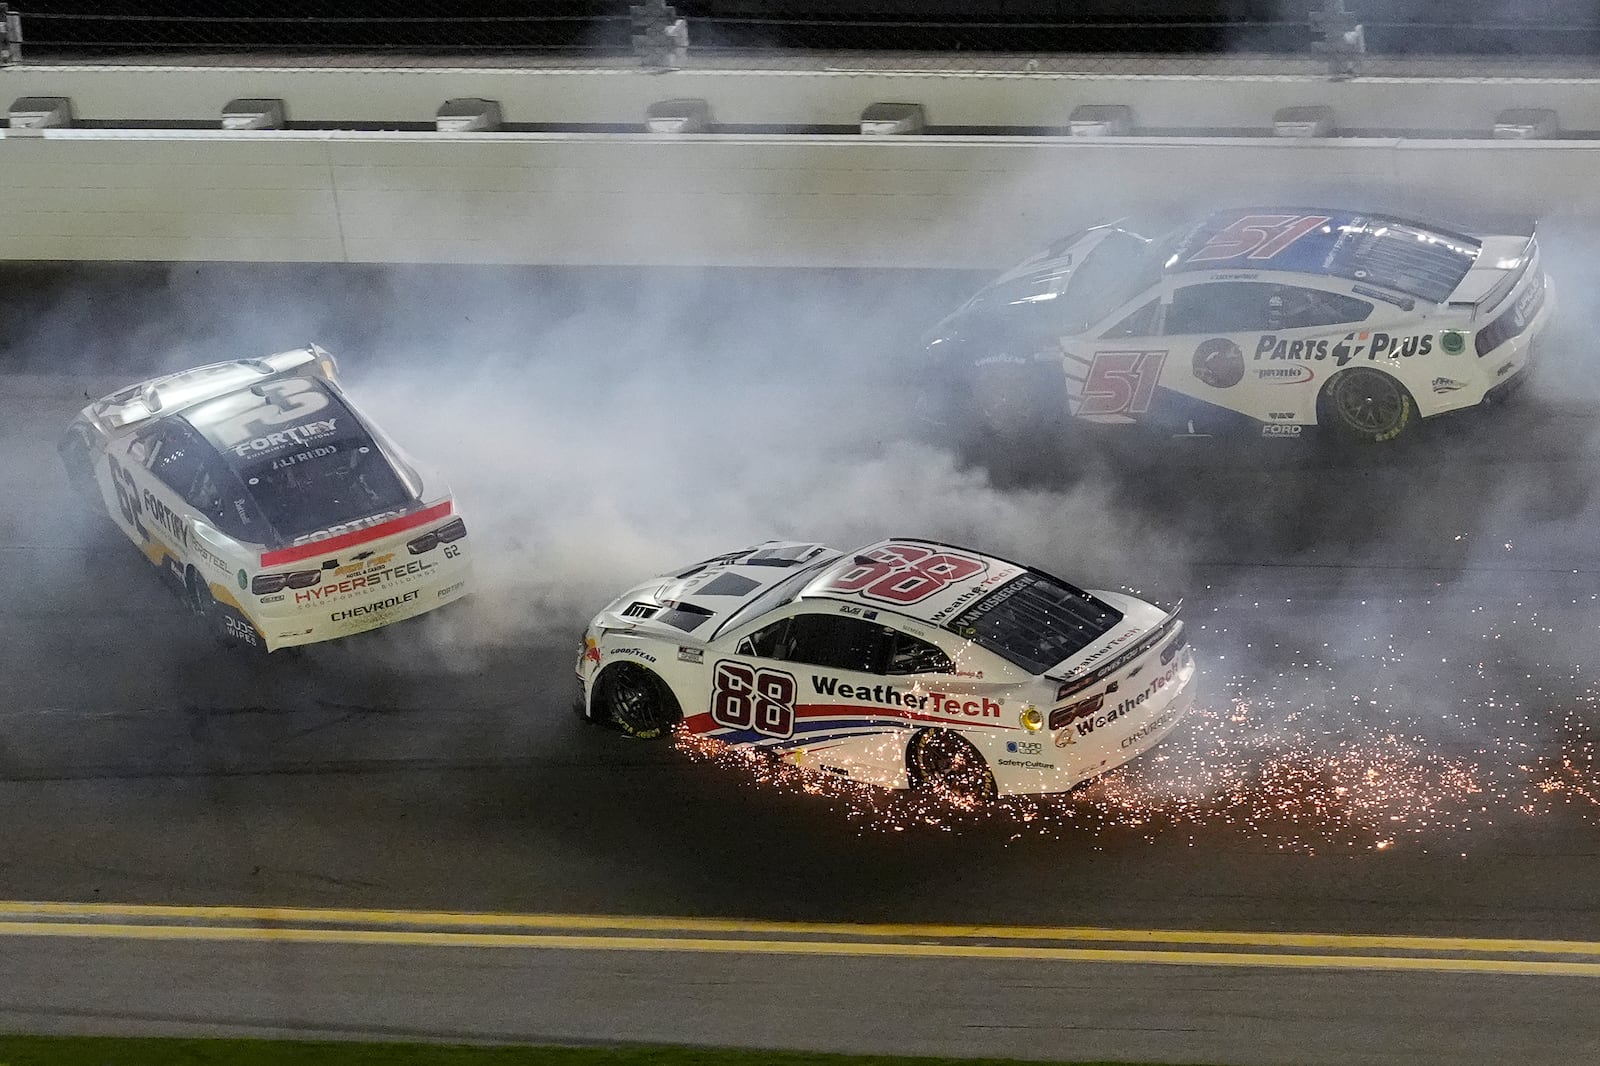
(127, 497)
(743, 697)
(1121, 383)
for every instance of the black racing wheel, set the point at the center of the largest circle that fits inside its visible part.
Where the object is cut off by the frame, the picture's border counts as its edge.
(1367, 405)
(197, 591)
(637, 702)
(947, 764)
(76, 457)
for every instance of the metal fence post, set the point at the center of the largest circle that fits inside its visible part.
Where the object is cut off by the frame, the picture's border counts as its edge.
(10, 36)
(1343, 39)
(661, 38)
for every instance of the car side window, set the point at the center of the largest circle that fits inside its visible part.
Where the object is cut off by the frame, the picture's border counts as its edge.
(1222, 307)
(766, 642)
(1298, 308)
(910, 655)
(175, 457)
(1140, 323)
(1254, 306)
(236, 513)
(837, 642)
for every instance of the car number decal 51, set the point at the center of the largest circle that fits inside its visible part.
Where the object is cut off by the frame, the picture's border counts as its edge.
(1121, 383)
(1257, 237)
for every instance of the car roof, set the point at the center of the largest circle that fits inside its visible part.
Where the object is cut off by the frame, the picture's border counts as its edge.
(219, 420)
(936, 608)
(1416, 258)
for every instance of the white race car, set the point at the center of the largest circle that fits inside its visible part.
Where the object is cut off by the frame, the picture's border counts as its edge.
(1265, 319)
(281, 515)
(906, 664)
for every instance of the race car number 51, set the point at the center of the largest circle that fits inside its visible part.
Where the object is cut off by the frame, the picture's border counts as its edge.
(1121, 383)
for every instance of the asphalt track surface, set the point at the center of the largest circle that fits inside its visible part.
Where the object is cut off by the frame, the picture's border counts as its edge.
(1395, 736)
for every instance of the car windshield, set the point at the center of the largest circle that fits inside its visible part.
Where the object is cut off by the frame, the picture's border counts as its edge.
(1035, 621)
(779, 594)
(1067, 295)
(316, 487)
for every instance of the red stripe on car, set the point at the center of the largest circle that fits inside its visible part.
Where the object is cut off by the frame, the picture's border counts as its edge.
(356, 536)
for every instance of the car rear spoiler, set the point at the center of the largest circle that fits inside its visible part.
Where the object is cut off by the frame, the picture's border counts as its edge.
(1073, 681)
(1486, 296)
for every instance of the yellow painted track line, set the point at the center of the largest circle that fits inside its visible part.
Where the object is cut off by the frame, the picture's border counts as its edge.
(741, 932)
(418, 938)
(450, 920)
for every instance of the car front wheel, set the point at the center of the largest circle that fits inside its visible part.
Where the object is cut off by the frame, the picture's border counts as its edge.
(637, 702)
(947, 764)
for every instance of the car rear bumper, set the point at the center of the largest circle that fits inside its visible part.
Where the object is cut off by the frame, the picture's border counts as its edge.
(442, 582)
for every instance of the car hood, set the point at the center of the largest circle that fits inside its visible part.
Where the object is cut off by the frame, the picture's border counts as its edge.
(979, 319)
(695, 602)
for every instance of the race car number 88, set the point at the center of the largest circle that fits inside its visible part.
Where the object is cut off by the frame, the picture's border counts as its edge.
(905, 573)
(743, 697)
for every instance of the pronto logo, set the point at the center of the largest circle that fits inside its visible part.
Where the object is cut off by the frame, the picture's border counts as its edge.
(1286, 375)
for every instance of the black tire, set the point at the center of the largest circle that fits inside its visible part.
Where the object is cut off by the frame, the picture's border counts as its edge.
(77, 457)
(198, 593)
(1366, 406)
(947, 764)
(636, 701)
(1015, 398)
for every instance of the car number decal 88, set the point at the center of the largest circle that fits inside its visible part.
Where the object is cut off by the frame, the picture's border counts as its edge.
(743, 697)
(904, 574)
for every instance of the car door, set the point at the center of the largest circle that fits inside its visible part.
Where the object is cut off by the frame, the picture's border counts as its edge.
(825, 672)
(147, 509)
(1259, 345)
(174, 461)
(1113, 370)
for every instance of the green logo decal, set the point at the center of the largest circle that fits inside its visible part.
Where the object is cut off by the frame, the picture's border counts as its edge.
(1453, 342)
(244, 582)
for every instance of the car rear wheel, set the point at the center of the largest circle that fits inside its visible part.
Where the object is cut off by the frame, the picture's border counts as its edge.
(947, 764)
(198, 592)
(1367, 406)
(637, 702)
(76, 457)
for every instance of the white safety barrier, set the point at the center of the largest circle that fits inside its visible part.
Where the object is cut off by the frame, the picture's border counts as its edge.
(709, 199)
(810, 97)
